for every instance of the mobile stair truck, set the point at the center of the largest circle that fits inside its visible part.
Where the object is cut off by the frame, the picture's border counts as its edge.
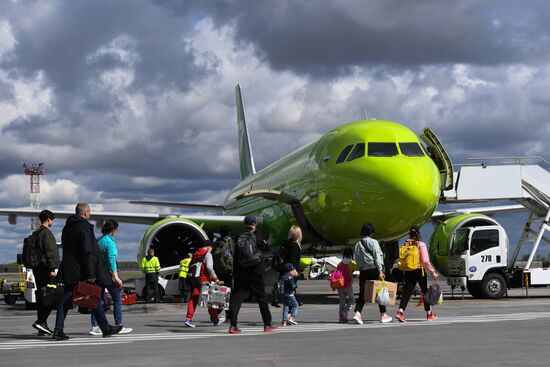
(475, 247)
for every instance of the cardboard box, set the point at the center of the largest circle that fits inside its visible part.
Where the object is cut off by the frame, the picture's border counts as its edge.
(372, 287)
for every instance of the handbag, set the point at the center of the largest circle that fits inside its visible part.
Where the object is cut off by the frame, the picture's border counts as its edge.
(86, 295)
(52, 294)
(433, 294)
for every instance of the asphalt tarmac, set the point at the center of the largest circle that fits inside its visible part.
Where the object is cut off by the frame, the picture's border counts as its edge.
(507, 332)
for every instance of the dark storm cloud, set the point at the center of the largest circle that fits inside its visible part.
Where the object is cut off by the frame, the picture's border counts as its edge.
(325, 39)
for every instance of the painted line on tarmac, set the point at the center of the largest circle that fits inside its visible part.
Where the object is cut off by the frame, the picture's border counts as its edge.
(255, 331)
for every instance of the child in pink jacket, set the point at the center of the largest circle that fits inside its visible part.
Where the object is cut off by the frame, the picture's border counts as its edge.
(346, 267)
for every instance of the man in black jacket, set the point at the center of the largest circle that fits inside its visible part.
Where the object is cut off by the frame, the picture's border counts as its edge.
(249, 279)
(44, 273)
(81, 262)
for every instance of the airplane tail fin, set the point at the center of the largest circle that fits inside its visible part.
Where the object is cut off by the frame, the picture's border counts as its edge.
(245, 151)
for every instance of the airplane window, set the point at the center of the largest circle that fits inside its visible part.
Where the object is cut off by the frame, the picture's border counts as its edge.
(411, 149)
(358, 152)
(382, 149)
(344, 154)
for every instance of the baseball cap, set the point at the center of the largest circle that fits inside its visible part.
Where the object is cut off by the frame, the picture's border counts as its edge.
(250, 219)
(288, 267)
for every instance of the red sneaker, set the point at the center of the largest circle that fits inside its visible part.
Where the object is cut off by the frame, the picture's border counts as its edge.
(270, 328)
(400, 316)
(234, 330)
(431, 316)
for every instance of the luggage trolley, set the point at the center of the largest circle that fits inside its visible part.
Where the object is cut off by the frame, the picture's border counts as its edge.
(214, 296)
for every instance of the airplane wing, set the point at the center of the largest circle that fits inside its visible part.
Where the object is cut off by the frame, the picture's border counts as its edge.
(208, 222)
(488, 210)
(178, 205)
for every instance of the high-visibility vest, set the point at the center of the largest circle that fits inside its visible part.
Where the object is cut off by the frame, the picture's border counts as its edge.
(150, 266)
(184, 267)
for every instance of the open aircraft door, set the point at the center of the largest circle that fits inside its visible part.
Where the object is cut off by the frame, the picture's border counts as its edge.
(440, 157)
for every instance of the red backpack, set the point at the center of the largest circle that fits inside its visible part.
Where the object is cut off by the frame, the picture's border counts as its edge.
(338, 277)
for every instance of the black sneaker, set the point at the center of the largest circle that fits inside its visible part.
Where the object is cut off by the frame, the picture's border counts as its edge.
(59, 335)
(112, 330)
(42, 328)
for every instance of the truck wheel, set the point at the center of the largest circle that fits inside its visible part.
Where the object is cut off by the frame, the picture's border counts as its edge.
(493, 286)
(10, 299)
(475, 290)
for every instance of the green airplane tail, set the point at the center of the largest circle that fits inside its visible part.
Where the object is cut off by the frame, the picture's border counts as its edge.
(245, 152)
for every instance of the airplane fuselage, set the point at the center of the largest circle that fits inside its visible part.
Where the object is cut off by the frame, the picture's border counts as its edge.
(366, 171)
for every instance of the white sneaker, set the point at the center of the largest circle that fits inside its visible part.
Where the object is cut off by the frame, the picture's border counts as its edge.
(385, 319)
(96, 330)
(125, 330)
(358, 319)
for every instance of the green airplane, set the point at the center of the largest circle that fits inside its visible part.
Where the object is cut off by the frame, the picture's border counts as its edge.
(373, 171)
(366, 171)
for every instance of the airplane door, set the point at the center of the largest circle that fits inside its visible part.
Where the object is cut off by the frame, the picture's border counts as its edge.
(440, 157)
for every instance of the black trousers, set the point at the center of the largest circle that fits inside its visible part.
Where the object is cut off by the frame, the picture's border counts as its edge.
(41, 278)
(411, 278)
(152, 284)
(364, 275)
(244, 286)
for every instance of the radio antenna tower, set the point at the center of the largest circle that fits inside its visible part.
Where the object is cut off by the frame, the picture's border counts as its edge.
(35, 171)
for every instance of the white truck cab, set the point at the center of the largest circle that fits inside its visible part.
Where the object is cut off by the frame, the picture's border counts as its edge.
(478, 260)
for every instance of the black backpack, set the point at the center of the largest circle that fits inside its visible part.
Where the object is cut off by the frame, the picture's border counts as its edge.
(32, 250)
(194, 272)
(249, 253)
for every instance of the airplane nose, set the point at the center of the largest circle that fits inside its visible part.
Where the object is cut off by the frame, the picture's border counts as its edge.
(413, 194)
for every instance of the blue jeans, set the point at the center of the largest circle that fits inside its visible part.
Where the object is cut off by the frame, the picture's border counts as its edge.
(114, 291)
(290, 300)
(65, 303)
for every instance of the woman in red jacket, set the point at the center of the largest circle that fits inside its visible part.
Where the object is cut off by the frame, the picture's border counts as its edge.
(207, 274)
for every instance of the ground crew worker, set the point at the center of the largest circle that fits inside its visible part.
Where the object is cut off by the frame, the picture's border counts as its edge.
(150, 265)
(184, 286)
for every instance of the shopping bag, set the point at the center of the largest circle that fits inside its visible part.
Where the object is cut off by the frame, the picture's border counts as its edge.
(383, 296)
(86, 295)
(433, 294)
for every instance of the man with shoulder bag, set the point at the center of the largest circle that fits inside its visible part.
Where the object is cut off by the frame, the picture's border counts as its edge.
(81, 263)
(248, 274)
(44, 271)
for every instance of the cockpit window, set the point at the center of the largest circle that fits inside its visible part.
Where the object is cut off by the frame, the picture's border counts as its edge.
(344, 154)
(358, 152)
(411, 149)
(382, 149)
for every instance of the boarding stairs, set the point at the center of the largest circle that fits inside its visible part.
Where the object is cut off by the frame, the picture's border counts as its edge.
(525, 180)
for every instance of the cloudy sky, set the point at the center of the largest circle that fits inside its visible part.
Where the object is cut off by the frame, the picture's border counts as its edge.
(135, 99)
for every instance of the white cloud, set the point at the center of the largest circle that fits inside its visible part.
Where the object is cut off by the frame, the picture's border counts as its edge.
(7, 39)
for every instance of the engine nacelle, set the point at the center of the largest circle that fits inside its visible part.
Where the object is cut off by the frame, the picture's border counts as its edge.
(440, 242)
(172, 239)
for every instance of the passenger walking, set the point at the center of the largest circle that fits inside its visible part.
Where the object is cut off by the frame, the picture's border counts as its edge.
(202, 256)
(418, 275)
(44, 273)
(289, 294)
(248, 273)
(109, 254)
(291, 252)
(81, 262)
(345, 294)
(183, 284)
(370, 260)
(150, 265)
